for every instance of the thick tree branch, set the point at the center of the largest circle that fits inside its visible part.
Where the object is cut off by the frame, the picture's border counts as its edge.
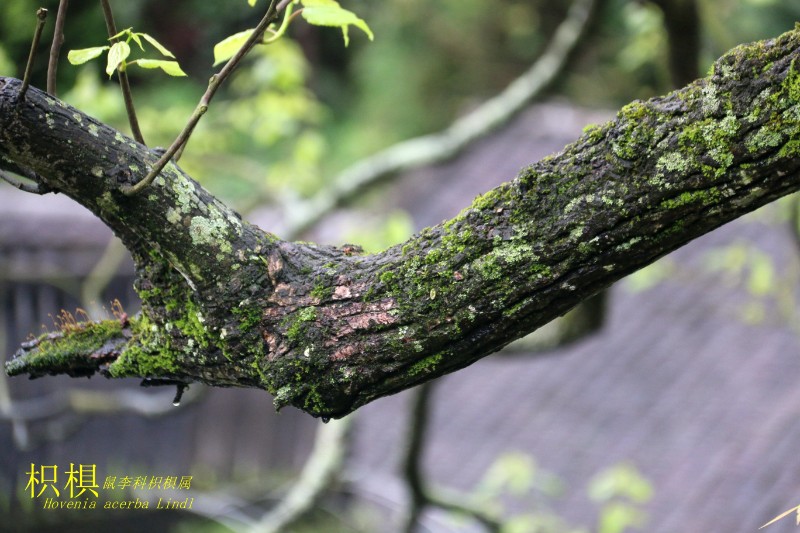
(327, 329)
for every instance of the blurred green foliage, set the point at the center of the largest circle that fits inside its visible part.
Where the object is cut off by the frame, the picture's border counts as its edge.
(395, 227)
(305, 107)
(7, 68)
(619, 492)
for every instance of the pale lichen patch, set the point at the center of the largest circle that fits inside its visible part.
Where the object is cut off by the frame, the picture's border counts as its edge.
(710, 101)
(576, 233)
(173, 216)
(575, 202)
(106, 203)
(186, 196)
(764, 138)
(206, 231)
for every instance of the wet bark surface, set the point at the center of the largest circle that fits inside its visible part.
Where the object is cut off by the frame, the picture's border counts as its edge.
(328, 329)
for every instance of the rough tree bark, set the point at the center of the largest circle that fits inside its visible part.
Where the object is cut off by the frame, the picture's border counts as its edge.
(329, 329)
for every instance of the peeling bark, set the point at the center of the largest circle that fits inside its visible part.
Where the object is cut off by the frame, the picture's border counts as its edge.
(329, 329)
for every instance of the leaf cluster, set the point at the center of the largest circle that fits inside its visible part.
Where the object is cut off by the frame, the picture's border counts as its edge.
(316, 12)
(120, 50)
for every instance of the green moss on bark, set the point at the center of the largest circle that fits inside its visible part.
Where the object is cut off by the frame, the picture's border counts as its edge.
(147, 354)
(297, 323)
(77, 350)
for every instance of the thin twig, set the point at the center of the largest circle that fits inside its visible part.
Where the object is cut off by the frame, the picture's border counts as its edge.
(25, 187)
(277, 34)
(55, 48)
(794, 220)
(412, 467)
(124, 84)
(421, 494)
(41, 16)
(213, 85)
(443, 145)
(287, 20)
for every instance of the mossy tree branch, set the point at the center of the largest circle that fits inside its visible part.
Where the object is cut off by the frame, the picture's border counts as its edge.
(328, 329)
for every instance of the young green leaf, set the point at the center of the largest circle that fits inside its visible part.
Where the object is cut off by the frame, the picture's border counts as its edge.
(170, 67)
(138, 40)
(126, 31)
(227, 48)
(330, 13)
(160, 47)
(79, 57)
(117, 55)
(252, 2)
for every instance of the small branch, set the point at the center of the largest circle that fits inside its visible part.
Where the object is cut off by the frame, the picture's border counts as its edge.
(37, 188)
(287, 19)
(124, 84)
(456, 503)
(682, 24)
(441, 146)
(421, 494)
(41, 17)
(55, 48)
(412, 468)
(794, 221)
(213, 85)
